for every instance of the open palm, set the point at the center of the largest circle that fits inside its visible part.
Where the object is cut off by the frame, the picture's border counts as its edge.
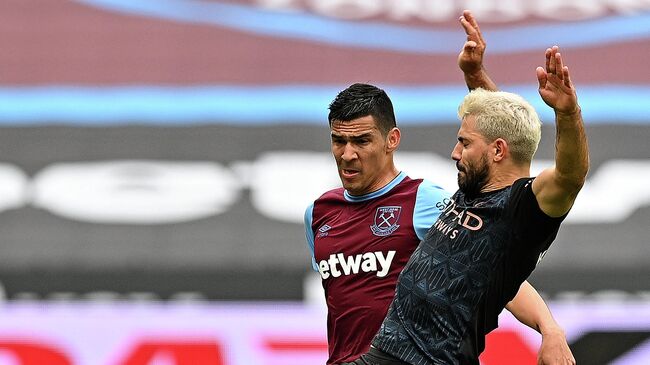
(555, 86)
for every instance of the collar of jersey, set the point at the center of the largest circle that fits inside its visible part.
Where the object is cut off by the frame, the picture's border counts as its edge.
(359, 198)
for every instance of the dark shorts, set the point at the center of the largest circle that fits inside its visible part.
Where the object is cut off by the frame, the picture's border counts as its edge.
(376, 357)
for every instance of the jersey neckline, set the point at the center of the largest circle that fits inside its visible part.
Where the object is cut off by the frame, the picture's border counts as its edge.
(359, 198)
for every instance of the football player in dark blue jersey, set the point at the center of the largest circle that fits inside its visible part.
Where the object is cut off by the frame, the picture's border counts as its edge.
(493, 231)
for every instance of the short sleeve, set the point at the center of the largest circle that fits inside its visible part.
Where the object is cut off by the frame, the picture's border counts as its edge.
(309, 234)
(428, 202)
(534, 230)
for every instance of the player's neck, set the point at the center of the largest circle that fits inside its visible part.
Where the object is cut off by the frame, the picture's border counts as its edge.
(387, 177)
(504, 177)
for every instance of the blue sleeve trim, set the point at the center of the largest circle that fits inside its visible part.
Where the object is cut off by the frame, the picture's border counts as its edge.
(425, 212)
(309, 234)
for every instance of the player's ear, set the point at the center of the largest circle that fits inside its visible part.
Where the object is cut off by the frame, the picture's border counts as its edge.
(392, 139)
(500, 147)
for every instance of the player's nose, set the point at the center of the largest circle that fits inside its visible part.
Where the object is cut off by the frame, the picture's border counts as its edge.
(349, 153)
(456, 152)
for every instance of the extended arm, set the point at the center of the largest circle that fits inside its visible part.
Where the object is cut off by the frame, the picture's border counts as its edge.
(529, 308)
(470, 59)
(556, 188)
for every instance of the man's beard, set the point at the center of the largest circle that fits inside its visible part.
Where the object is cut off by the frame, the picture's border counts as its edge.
(475, 177)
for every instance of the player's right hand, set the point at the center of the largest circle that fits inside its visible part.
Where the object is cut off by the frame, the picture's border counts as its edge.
(470, 59)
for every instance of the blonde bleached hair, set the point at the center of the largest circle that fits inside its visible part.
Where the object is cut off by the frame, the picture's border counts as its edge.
(505, 115)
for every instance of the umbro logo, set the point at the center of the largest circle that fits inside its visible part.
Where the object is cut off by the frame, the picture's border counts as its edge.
(322, 231)
(324, 228)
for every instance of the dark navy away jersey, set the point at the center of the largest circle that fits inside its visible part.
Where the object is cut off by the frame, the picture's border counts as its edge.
(469, 266)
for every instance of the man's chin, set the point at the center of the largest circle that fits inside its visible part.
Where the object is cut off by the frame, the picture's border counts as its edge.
(349, 187)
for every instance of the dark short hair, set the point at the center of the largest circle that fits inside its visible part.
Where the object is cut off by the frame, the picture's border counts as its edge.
(360, 100)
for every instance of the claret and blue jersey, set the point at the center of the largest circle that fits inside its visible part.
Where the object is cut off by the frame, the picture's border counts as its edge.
(360, 245)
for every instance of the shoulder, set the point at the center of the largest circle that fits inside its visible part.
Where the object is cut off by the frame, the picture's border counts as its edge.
(524, 183)
(521, 190)
(523, 202)
(431, 191)
(421, 187)
(429, 202)
(330, 196)
(328, 201)
(334, 193)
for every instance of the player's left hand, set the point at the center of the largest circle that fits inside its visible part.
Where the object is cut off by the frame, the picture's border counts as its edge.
(555, 86)
(555, 350)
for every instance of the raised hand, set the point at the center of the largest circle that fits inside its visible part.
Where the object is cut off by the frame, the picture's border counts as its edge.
(557, 187)
(470, 59)
(555, 86)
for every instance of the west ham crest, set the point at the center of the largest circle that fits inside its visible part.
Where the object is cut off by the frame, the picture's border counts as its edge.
(386, 219)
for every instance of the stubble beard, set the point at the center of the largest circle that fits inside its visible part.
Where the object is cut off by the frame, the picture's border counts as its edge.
(475, 177)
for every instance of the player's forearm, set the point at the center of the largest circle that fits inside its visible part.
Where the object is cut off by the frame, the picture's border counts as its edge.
(572, 150)
(480, 79)
(529, 308)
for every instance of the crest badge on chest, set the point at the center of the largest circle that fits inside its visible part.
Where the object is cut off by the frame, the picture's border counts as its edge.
(386, 219)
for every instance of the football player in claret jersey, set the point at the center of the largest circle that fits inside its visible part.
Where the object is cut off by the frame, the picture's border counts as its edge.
(362, 235)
